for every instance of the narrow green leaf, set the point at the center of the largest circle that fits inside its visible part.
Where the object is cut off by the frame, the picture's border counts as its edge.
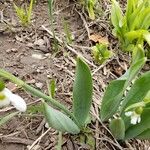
(51, 88)
(117, 128)
(116, 14)
(4, 119)
(144, 19)
(134, 17)
(29, 12)
(60, 121)
(147, 37)
(82, 92)
(130, 9)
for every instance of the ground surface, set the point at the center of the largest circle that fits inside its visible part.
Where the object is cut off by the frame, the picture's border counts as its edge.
(18, 46)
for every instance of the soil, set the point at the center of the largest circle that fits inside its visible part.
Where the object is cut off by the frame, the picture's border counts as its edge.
(20, 49)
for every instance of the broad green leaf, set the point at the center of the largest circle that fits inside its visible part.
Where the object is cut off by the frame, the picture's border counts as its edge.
(82, 92)
(59, 121)
(135, 130)
(147, 97)
(115, 90)
(6, 118)
(144, 135)
(111, 99)
(116, 15)
(117, 128)
(138, 91)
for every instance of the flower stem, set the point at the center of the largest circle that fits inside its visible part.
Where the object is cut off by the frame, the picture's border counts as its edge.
(36, 92)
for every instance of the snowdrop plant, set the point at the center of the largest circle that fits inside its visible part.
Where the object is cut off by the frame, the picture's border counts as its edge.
(131, 27)
(56, 114)
(131, 110)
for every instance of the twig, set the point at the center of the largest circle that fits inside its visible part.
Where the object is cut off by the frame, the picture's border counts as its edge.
(38, 139)
(84, 22)
(16, 140)
(68, 47)
(100, 67)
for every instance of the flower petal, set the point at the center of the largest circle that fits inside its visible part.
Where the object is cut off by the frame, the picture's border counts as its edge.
(4, 102)
(7, 92)
(139, 119)
(18, 102)
(46, 125)
(134, 120)
(129, 113)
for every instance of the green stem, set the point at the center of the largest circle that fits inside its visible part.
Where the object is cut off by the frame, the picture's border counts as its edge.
(59, 147)
(36, 92)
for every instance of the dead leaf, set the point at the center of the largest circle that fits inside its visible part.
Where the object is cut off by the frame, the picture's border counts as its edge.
(98, 39)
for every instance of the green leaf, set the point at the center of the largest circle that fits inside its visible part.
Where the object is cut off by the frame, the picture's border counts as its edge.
(144, 19)
(116, 88)
(60, 121)
(134, 18)
(130, 8)
(22, 15)
(147, 97)
(111, 99)
(135, 130)
(144, 135)
(116, 15)
(90, 8)
(51, 88)
(138, 91)
(3, 120)
(2, 85)
(137, 54)
(132, 35)
(29, 12)
(147, 37)
(117, 128)
(82, 92)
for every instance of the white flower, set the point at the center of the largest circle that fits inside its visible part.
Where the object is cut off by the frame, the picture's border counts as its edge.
(7, 97)
(46, 125)
(135, 118)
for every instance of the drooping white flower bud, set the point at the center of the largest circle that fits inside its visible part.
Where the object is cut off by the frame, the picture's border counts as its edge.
(18, 102)
(135, 118)
(7, 97)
